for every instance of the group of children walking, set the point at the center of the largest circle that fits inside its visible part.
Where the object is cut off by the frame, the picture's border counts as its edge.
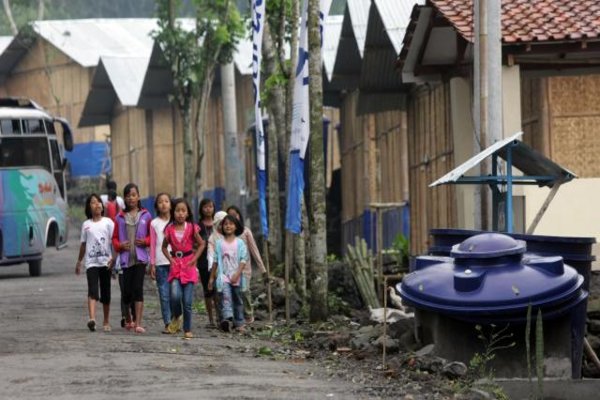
(174, 251)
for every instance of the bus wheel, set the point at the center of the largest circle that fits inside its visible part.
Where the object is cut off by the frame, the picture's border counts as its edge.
(35, 267)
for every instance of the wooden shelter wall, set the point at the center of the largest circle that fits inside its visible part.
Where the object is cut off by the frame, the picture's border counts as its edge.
(371, 158)
(56, 82)
(431, 155)
(130, 149)
(214, 158)
(574, 113)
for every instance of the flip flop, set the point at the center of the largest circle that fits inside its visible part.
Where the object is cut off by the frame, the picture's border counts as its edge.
(91, 325)
(107, 328)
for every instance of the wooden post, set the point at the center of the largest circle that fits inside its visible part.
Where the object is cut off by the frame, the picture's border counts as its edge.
(379, 245)
(544, 207)
(378, 207)
(267, 266)
(384, 321)
(288, 263)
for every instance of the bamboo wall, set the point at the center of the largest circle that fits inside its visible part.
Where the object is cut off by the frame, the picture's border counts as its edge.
(561, 117)
(58, 84)
(373, 150)
(147, 148)
(431, 155)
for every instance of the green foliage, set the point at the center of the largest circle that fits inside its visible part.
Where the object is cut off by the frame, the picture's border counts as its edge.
(337, 306)
(493, 341)
(401, 247)
(193, 54)
(331, 258)
(199, 307)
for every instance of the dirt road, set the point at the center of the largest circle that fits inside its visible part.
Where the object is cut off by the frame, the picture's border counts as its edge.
(46, 350)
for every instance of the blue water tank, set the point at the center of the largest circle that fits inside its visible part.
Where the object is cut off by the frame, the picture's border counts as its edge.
(488, 278)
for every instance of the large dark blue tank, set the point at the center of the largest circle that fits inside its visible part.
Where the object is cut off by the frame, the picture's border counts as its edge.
(490, 278)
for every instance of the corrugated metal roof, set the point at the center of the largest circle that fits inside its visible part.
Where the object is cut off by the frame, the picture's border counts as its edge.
(126, 75)
(524, 158)
(332, 29)
(4, 42)
(396, 16)
(359, 15)
(85, 40)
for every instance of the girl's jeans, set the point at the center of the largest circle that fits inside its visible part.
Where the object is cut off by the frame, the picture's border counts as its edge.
(162, 272)
(232, 305)
(182, 293)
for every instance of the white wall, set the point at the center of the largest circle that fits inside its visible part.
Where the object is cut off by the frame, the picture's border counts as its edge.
(574, 210)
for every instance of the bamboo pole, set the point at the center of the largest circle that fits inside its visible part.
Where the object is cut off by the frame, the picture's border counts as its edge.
(268, 267)
(288, 263)
(384, 321)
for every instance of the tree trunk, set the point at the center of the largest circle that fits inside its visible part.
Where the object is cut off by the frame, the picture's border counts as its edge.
(233, 175)
(188, 153)
(200, 128)
(40, 13)
(9, 16)
(317, 214)
(276, 107)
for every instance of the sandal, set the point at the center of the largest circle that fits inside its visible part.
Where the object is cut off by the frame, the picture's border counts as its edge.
(91, 325)
(107, 328)
(130, 326)
(188, 335)
(139, 329)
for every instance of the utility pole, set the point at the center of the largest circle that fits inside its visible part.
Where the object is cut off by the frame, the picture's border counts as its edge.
(487, 108)
(232, 148)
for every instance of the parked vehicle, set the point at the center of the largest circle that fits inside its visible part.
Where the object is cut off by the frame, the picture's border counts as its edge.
(33, 192)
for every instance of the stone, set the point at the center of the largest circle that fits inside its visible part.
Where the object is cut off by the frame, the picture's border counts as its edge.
(391, 345)
(593, 326)
(425, 351)
(454, 369)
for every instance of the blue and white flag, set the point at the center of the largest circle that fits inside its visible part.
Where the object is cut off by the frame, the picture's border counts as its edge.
(258, 18)
(300, 124)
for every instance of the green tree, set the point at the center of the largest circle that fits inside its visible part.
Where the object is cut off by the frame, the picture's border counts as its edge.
(317, 214)
(193, 56)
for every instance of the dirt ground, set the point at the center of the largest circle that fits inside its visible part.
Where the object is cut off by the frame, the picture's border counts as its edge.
(46, 350)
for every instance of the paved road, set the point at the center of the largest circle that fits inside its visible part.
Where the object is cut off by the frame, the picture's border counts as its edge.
(46, 350)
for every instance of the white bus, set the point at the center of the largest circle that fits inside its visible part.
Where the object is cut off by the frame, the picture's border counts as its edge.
(33, 192)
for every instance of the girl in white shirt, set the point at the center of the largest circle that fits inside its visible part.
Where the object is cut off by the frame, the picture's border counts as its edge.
(159, 264)
(96, 253)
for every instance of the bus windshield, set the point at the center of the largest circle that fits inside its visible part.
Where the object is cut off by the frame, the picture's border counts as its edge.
(24, 151)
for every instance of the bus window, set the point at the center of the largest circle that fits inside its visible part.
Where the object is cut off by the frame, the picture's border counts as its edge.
(50, 127)
(10, 126)
(57, 165)
(24, 152)
(34, 126)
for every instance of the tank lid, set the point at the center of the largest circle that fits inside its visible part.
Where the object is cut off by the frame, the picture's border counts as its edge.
(488, 245)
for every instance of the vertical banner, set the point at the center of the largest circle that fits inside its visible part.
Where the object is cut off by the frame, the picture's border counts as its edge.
(258, 17)
(300, 124)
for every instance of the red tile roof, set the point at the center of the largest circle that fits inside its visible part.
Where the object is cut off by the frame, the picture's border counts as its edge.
(531, 20)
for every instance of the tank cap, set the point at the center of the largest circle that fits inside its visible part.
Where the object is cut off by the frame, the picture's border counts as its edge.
(488, 245)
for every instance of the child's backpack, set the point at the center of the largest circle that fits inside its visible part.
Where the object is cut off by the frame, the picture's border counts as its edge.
(112, 209)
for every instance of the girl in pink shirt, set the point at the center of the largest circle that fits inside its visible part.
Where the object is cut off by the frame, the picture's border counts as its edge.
(181, 234)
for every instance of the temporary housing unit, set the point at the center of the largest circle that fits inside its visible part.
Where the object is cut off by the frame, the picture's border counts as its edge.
(132, 96)
(549, 90)
(53, 62)
(369, 92)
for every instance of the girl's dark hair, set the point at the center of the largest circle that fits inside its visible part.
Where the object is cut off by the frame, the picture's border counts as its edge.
(128, 188)
(88, 204)
(175, 202)
(156, 200)
(204, 202)
(239, 228)
(112, 195)
(237, 210)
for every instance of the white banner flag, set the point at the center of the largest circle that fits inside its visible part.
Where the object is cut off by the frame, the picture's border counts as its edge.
(258, 20)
